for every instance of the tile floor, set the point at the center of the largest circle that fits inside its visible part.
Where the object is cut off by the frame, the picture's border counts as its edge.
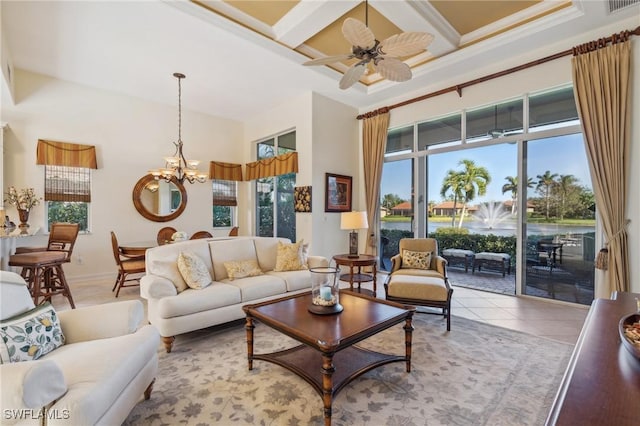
(552, 320)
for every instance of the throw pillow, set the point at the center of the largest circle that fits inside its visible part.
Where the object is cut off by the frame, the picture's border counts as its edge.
(242, 269)
(416, 259)
(31, 335)
(289, 257)
(193, 270)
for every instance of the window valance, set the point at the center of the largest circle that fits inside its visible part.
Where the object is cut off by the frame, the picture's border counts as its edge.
(51, 153)
(273, 166)
(225, 171)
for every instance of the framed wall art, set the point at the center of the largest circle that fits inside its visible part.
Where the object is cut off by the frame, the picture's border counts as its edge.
(337, 193)
(302, 199)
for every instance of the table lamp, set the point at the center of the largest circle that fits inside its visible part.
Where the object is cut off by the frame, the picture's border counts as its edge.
(353, 221)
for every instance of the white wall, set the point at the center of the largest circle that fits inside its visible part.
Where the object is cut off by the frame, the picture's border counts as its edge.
(541, 77)
(327, 142)
(336, 148)
(131, 137)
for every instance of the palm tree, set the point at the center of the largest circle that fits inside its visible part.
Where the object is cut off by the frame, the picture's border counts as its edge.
(389, 201)
(545, 183)
(564, 185)
(452, 183)
(474, 181)
(512, 186)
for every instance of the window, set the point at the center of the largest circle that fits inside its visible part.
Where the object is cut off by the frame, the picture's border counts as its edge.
(225, 201)
(275, 214)
(526, 186)
(67, 194)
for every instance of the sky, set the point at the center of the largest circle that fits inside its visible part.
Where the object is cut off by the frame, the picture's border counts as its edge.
(563, 155)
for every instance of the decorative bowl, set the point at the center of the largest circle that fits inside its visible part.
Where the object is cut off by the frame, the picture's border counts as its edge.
(625, 323)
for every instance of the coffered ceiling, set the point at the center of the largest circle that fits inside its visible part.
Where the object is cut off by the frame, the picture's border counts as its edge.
(314, 29)
(244, 57)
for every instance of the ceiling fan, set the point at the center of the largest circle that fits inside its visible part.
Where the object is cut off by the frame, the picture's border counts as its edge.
(384, 55)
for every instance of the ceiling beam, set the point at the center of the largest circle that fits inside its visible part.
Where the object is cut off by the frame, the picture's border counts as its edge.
(307, 18)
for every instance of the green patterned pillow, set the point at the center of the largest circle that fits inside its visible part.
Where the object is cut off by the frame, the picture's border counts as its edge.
(30, 335)
(242, 269)
(193, 270)
(290, 257)
(416, 259)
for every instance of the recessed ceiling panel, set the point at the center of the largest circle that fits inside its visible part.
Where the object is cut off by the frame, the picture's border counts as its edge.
(330, 40)
(269, 12)
(466, 16)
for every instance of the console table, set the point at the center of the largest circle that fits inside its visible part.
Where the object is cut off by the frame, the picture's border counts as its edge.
(602, 382)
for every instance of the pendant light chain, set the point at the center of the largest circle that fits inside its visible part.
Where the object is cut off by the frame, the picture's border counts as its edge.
(180, 77)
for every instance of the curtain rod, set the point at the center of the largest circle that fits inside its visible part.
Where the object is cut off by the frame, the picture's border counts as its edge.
(589, 46)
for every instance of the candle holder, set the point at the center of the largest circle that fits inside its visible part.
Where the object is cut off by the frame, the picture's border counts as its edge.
(325, 293)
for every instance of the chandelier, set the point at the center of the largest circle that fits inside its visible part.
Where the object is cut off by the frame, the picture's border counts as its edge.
(178, 166)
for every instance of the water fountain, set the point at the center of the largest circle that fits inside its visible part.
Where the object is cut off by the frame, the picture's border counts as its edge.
(491, 214)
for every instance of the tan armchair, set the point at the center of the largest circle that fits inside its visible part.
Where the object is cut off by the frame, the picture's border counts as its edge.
(438, 263)
(419, 284)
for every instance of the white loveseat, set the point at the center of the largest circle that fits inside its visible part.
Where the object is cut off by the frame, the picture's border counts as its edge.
(175, 312)
(107, 362)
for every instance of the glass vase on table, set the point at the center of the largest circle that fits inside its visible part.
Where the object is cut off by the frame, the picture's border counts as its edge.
(325, 292)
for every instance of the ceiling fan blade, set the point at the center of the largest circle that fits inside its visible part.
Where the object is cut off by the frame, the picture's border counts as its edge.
(352, 75)
(329, 59)
(393, 69)
(406, 44)
(358, 34)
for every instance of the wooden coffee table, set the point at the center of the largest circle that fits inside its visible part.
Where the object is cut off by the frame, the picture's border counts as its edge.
(328, 358)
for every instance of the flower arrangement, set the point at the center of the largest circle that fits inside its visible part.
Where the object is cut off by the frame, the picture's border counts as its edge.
(24, 199)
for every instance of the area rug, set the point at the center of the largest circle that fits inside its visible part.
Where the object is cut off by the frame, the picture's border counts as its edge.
(477, 374)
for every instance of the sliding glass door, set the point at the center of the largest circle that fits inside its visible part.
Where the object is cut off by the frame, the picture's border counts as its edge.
(559, 231)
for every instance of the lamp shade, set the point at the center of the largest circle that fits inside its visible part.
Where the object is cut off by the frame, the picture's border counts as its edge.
(354, 220)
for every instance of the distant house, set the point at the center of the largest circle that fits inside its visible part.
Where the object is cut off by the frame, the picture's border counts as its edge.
(403, 209)
(507, 206)
(446, 209)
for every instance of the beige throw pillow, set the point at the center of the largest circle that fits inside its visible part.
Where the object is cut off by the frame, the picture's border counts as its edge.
(242, 269)
(193, 270)
(416, 259)
(290, 257)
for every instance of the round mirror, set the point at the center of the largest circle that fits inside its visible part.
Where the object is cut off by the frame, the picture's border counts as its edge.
(159, 200)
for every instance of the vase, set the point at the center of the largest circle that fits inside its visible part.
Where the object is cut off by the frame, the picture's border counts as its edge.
(325, 293)
(24, 218)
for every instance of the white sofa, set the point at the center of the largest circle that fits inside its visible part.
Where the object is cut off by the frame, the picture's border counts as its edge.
(107, 362)
(175, 312)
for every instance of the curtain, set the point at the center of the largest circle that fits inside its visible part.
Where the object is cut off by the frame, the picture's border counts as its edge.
(601, 77)
(53, 153)
(374, 139)
(273, 166)
(225, 171)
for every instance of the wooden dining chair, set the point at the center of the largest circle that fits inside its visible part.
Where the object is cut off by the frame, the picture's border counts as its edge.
(164, 235)
(126, 266)
(233, 232)
(201, 234)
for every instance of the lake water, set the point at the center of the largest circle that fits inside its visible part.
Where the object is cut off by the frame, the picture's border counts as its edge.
(503, 229)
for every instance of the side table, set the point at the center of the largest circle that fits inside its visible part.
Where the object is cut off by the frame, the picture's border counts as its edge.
(357, 277)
